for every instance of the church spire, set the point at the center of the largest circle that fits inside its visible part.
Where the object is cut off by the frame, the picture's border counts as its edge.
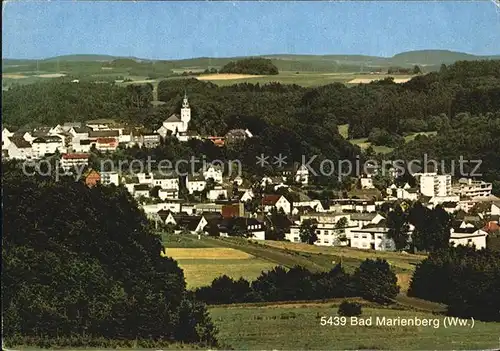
(185, 103)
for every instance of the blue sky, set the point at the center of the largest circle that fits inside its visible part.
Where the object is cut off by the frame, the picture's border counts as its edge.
(172, 30)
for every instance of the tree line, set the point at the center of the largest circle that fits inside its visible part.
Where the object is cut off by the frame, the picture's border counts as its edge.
(373, 280)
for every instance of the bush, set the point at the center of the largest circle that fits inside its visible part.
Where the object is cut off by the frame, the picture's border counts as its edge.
(349, 309)
(375, 281)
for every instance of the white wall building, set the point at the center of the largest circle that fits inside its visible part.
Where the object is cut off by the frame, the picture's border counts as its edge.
(69, 161)
(214, 172)
(472, 188)
(108, 178)
(432, 184)
(175, 124)
(195, 183)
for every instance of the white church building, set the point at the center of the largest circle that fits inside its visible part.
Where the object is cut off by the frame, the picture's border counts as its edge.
(175, 125)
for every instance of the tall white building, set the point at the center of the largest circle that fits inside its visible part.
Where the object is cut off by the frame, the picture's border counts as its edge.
(432, 184)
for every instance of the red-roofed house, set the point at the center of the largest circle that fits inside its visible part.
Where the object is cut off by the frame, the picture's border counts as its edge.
(278, 201)
(69, 161)
(106, 144)
(92, 178)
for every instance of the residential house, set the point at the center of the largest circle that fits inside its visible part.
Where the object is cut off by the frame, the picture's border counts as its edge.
(108, 178)
(314, 205)
(150, 140)
(217, 193)
(165, 180)
(19, 149)
(101, 124)
(302, 175)
(495, 208)
(468, 236)
(372, 237)
(405, 193)
(276, 201)
(81, 145)
(69, 161)
(141, 190)
(237, 135)
(106, 144)
(195, 183)
(250, 228)
(168, 193)
(92, 178)
(47, 146)
(6, 135)
(212, 171)
(247, 195)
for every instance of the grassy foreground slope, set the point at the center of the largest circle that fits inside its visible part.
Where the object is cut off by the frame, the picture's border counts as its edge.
(297, 327)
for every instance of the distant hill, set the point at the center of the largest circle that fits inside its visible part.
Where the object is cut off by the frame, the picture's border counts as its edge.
(434, 57)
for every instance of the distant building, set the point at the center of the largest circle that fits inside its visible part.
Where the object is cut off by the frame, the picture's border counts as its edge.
(69, 161)
(472, 188)
(175, 124)
(19, 149)
(235, 135)
(432, 184)
(108, 178)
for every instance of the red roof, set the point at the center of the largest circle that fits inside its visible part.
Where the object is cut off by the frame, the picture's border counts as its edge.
(270, 200)
(229, 211)
(106, 140)
(491, 226)
(74, 156)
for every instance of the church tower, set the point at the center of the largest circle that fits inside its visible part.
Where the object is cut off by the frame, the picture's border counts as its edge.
(185, 112)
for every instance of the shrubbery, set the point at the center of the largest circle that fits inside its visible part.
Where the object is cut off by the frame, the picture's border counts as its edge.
(349, 309)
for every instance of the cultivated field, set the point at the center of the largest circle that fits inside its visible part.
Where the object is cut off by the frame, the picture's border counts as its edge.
(297, 327)
(202, 262)
(208, 258)
(374, 79)
(227, 76)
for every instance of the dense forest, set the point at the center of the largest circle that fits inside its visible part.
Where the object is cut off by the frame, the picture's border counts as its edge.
(465, 279)
(255, 65)
(81, 265)
(461, 103)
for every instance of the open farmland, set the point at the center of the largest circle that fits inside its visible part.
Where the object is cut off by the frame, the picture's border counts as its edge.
(208, 258)
(297, 327)
(201, 265)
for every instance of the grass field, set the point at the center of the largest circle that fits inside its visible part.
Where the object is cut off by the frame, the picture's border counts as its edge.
(298, 328)
(364, 144)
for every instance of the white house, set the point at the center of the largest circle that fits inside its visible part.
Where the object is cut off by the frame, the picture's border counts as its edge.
(69, 161)
(217, 193)
(468, 237)
(366, 182)
(195, 183)
(6, 135)
(168, 193)
(47, 145)
(165, 181)
(108, 178)
(315, 205)
(277, 201)
(247, 195)
(495, 208)
(371, 238)
(212, 171)
(19, 149)
(175, 124)
(141, 190)
(404, 193)
(302, 175)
